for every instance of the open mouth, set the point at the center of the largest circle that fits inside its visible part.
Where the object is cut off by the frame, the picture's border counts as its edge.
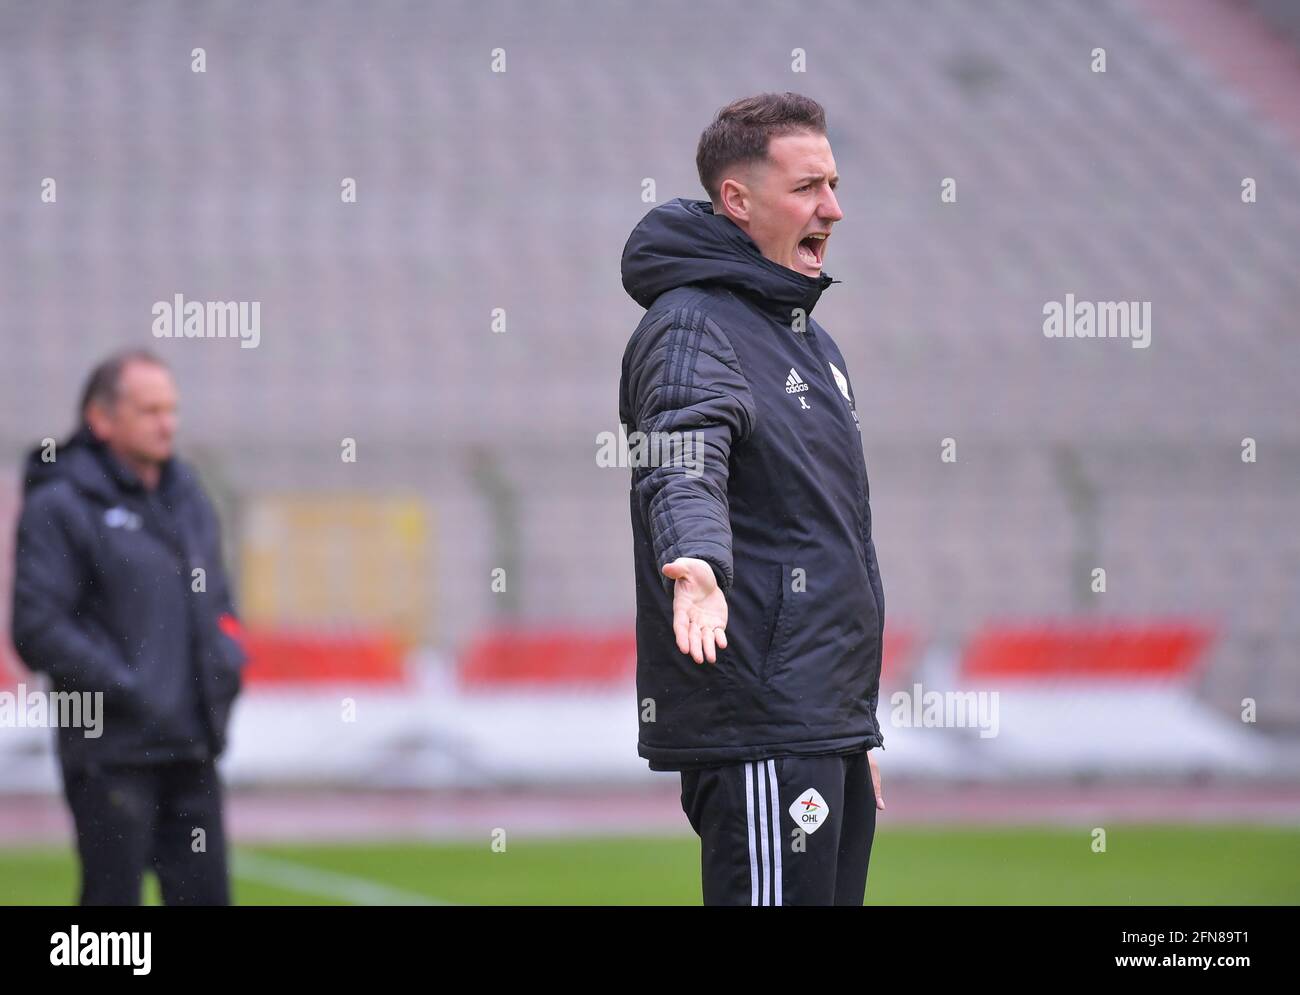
(812, 249)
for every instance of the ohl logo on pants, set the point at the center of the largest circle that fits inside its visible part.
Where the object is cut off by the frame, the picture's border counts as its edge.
(810, 811)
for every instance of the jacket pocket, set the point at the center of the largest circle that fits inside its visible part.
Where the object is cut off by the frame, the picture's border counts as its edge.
(778, 617)
(231, 673)
(225, 659)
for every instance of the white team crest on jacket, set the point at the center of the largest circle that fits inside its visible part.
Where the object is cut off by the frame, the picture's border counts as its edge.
(841, 381)
(121, 518)
(810, 811)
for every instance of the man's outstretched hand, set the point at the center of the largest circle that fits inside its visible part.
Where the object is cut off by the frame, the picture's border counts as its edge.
(699, 608)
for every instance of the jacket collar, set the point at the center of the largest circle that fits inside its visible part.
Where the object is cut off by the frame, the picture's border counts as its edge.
(684, 243)
(90, 466)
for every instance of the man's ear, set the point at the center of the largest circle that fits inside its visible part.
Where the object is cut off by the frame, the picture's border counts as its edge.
(735, 200)
(101, 425)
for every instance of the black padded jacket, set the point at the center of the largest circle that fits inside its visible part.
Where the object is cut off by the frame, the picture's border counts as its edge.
(107, 599)
(750, 458)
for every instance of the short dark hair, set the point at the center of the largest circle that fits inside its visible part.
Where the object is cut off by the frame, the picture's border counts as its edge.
(743, 129)
(105, 380)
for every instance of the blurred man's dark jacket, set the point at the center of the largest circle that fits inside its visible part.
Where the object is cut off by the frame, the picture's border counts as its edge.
(104, 600)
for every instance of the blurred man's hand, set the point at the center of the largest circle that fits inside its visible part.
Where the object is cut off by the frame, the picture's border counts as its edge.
(699, 608)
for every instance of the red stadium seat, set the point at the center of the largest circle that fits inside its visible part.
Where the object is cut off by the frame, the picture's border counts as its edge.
(1141, 650)
(549, 657)
(279, 656)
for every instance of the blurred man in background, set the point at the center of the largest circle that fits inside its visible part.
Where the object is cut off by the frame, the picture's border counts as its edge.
(773, 537)
(119, 588)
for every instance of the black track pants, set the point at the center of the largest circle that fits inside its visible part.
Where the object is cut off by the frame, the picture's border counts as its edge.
(133, 818)
(784, 831)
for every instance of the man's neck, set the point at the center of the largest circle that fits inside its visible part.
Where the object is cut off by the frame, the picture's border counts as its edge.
(148, 471)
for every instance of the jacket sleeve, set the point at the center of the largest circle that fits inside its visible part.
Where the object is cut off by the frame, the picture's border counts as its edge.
(50, 580)
(689, 403)
(223, 607)
(222, 592)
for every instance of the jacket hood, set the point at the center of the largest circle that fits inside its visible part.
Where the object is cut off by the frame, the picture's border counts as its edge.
(683, 242)
(90, 467)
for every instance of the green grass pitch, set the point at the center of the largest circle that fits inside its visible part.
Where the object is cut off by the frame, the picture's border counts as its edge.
(1160, 865)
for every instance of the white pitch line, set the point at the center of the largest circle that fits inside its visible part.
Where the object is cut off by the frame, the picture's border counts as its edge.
(318, 881)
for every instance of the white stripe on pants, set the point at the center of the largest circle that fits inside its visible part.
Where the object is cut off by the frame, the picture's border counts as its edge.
(764, 854)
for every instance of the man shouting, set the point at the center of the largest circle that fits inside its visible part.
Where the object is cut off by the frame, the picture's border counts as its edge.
(760, 611)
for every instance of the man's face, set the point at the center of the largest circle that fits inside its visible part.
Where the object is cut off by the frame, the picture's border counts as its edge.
(784, 203)
(141, 424)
